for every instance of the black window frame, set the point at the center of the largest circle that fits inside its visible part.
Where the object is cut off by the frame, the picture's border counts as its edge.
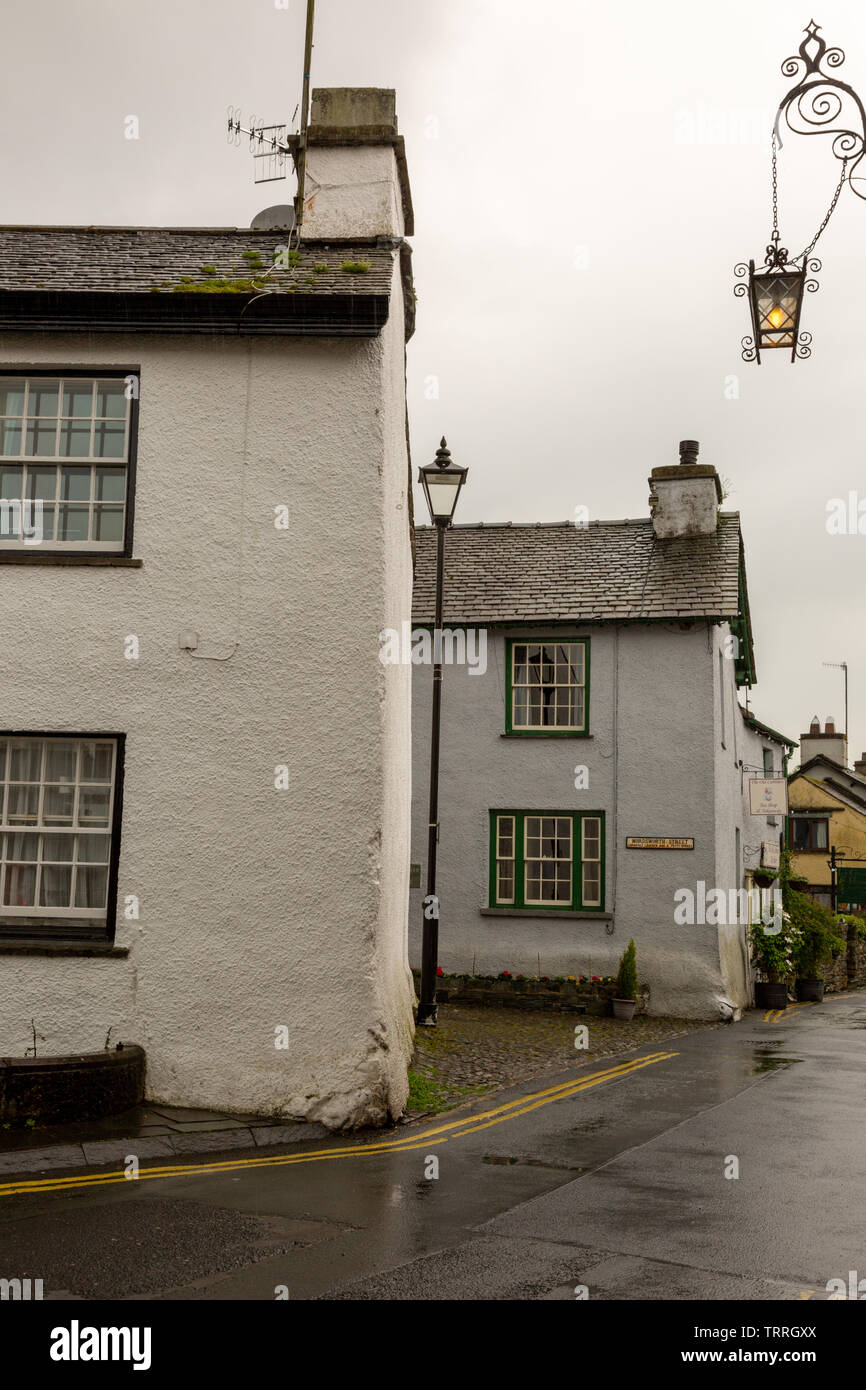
(68, 929)
(36, 555)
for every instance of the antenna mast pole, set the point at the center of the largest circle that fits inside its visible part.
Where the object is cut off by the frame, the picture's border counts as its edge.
(305, 116)
(842, 666)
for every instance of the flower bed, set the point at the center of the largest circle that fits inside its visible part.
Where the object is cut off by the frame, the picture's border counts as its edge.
(579, 994)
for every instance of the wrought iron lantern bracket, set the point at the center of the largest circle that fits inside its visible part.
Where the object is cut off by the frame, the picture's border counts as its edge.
(818, 104)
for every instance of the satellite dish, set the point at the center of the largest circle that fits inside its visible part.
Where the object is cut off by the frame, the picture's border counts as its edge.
(281, 217)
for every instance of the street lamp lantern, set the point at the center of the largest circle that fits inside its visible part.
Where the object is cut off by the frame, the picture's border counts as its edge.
(775, 300)
(818, 104)
(442, 480)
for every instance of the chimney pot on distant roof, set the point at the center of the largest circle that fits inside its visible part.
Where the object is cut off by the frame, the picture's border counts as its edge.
(832, 743)
(689, 450)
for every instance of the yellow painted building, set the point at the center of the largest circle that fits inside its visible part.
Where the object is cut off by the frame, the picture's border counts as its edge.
(827, 811)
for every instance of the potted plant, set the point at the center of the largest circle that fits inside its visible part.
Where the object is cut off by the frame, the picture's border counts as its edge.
(772, 949)
(625, 997)
(819, 940)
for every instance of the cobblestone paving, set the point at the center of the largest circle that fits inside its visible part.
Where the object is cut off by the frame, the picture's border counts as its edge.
(476, 1049)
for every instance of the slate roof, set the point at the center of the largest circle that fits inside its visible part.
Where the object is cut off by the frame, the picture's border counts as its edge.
(607, 571)
(135, 260)
(752, 723)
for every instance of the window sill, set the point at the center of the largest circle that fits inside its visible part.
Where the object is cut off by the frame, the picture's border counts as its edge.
(23, 557)
(546, 913)
(545, 733)
(34, 946)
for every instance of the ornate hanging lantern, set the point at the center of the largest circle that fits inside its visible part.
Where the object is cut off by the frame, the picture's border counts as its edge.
(819, 104)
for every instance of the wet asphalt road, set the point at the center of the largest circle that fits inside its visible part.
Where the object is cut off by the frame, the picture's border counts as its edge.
(617, 1185)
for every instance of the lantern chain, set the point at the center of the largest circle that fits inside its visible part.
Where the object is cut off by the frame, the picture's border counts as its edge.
(831, 209)
(829, 213)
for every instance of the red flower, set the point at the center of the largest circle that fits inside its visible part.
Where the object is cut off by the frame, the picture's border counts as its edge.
(596, 979)
(439, 970)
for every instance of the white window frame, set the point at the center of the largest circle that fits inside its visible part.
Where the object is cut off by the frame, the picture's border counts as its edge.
(577, 685)
(593, 860)
(547, 859)
(506, 859)
(60, 461)
(12, 913)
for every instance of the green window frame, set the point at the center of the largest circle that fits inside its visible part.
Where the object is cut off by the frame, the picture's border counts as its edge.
(547, 861)
(547, 687)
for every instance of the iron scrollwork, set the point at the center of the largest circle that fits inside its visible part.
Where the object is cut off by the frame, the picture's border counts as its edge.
(817, 104)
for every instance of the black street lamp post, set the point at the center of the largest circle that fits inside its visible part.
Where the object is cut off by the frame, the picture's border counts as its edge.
(442, 480)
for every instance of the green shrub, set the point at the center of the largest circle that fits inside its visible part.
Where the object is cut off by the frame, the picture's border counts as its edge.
(626, 980)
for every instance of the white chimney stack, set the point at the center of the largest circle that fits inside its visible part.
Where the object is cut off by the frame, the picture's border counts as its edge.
(357, 187)
(684, 499)
(832, 744)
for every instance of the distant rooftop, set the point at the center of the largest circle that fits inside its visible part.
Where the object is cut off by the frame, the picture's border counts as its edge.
(607, 571)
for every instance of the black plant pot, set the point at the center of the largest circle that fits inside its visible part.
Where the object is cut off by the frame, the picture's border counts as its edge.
(771, 996)
(810, 991)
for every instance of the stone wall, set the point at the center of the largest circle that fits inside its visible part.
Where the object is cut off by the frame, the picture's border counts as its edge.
(848, 970)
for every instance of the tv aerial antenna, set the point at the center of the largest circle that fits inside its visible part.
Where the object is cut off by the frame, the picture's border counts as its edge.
(841, 666)
(270, 144)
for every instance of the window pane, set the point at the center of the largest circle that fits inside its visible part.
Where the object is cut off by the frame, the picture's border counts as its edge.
(93, 849)
(10, 437)
(23, 805)
(75, 484)
(90, 887)
(55, 888)
(110, 484)
(11, 480)
(108, 439)
(75, 439)
(26, 762)
(41, 483)
(56, 848)
(505, 889)
(111, 399)
(22, 847)
(820, 839)
(95, 762)
(19, 886)
(93, 806)
(41, 438)
(12, 396)
(78, 399)
(60, 760)
(108, 524)
(43, 398)
(57, 805)
(73, 524)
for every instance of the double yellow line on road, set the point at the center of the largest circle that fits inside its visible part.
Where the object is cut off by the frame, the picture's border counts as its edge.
(773, 1015)
(454, 1129)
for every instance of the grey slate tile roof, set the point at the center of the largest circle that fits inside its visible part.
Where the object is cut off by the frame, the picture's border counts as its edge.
(607, 571)
(134, 260)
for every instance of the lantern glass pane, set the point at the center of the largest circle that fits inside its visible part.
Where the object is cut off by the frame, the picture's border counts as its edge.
(777, 299)
(442, 488)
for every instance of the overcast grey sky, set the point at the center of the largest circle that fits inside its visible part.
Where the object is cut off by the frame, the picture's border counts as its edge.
(585, 176)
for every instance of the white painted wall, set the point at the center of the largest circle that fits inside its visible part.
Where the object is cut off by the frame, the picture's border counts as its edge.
(258, 907)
